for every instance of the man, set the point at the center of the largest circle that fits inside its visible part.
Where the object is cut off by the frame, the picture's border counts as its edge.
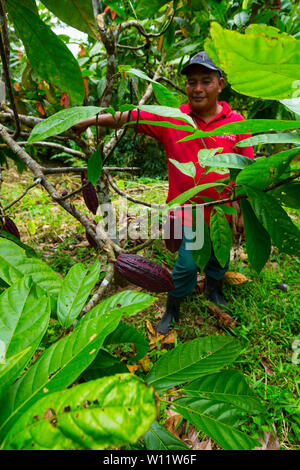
(203, 84)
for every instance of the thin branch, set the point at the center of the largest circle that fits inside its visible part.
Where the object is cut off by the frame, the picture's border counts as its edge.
(4, 42)
(101, 290)
(80, 169)
(141, 29)
(52, 145)
(35, 183)
(164, 79)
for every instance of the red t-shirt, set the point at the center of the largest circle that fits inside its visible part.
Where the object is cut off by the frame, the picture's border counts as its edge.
(188, 151)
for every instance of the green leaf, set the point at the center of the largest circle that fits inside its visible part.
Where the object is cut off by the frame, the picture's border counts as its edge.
(221, 236)
(58, 366)
(207, 154)
(279, 138)
(127, 334)
(187, 168)
(61, 121)
(77, 13)
(243, 127)
(217, 420)
(159, 438)
(202, 256)
(108, 412)
(191, 360)
(14, 264)
(262, 62)
(94, 168)
(74, 292)
(228, 386)
(10, 369)
(225, 160)
(285, 235)
(267, 170)
(195, 191)
(104, 365)
(128, 302)
(48, 55)
(24, 317)
(166, 111)
(258, 240)
(294, 103)
(288, 194)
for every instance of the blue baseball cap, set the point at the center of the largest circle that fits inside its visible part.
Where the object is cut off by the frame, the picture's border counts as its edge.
(201, 58)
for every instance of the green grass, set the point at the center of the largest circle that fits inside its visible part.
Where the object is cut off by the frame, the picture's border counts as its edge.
(267, 319)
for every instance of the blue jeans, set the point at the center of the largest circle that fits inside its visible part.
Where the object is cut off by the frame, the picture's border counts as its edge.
(185, 270)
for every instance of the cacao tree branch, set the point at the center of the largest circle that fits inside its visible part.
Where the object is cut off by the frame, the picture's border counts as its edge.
(101, 290)
(35, 183)
(100, 237)
(80, 169)
(52, 145)
(141, 29)
(4, 44)
(164, 79)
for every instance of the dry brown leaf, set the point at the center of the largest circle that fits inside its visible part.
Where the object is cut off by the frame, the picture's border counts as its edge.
(192, 441)
(133, 368)
(224, 320)
(168, 339)
(268, 369)
(234, 278)
(171, 423)
(270, 441)
(145, 363)
(200, 286)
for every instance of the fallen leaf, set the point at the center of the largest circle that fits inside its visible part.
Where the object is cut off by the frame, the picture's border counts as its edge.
(133, 368)
(234, 278)
(171, 424)
(145, 363)
(270, 440)
(268, 369)
(224, 320)
(192, 441)
(168, 339)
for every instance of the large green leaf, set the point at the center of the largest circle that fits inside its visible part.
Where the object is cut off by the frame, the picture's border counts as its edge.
(162, 94)
(76, 13)
(129, 302)
(159, 438)
(221, 236)
(267, 170)
(258, 240)
(285, 235)
(74, 292)
(14, 264)
(169, 112)
(190, 193)
(193, 359)
(262, 62)
(127, 334)
(24, 317)
(58, 366)
(104, 365)
(187, 168)
(217, 420)
(279, 138)
(61, 121)
(48, 55)
(225, 160)
(243, 127)
(10, 369)
(108, 412)
(202, 256)
(288, 194)
(228, 386)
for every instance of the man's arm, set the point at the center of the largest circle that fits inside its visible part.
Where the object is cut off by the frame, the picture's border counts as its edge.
(104, 120)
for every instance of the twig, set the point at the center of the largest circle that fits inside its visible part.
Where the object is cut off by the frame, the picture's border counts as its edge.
(80, 169)
(36, 182)
(141, 29)
(101, 290)
(53, 145)
(164, 79)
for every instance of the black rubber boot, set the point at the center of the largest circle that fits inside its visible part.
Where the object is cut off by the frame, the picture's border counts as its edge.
(171, 315)
(213, 291)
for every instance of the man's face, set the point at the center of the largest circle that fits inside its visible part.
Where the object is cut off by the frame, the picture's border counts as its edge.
(203, 87)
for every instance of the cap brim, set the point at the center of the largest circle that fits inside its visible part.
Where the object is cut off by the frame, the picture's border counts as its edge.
(189, 66)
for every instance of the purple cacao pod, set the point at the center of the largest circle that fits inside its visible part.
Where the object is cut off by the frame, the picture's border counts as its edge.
(144, 273)
(10, 227)
(169, 230)
(90, 196)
